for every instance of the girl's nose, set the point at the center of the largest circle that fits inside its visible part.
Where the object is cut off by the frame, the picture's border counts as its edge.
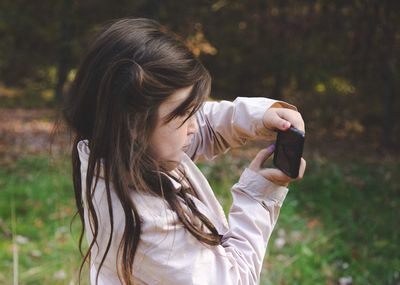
(192, 127)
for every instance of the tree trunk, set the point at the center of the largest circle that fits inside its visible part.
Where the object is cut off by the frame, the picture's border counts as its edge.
(151, 9)
(65, 49)
(389, 72)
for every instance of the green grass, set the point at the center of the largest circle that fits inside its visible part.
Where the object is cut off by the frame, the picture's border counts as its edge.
(341, 220)
(39, 193)
(361, 202)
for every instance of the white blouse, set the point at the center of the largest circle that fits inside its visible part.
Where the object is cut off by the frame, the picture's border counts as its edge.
(167, 253)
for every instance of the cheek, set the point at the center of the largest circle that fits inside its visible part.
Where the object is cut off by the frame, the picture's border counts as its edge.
(175, 137)
(168, 140)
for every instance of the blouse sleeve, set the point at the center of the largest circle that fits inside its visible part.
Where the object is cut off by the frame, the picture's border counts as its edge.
(225, 124)
(169, 254)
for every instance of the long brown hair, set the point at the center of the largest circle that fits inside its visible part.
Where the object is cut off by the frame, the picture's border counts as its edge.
(132, 66)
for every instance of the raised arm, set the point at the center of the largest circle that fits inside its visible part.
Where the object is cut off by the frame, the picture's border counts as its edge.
(166, 256)
(224, 125)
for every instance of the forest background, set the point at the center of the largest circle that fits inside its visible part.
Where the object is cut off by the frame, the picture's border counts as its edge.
(337, 61)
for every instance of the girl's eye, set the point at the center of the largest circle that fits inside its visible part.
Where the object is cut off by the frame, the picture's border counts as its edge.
(187, 113)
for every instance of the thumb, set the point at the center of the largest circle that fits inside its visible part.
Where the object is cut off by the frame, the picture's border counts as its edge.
(261, 157)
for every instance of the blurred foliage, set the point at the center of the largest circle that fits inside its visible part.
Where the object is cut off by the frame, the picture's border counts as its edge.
(336, 60)
(338, 222)
(35, 215)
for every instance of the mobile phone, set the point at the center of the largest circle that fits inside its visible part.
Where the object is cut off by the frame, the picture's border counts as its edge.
(289, 150)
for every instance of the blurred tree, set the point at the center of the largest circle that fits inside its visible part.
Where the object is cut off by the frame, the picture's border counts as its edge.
(28, 33)
(336, 60)
(64, 57)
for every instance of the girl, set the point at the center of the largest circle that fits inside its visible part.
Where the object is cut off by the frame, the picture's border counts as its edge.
(139, 114)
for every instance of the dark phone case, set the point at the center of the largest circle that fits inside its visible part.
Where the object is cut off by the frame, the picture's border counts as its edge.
(289, 162)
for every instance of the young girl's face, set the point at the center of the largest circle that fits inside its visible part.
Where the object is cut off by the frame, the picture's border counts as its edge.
(168, 141)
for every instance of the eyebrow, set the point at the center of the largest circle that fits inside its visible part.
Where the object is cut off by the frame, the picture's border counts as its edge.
(191, 104)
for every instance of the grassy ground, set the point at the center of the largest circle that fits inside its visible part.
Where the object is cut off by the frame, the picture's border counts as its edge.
(36, 208)
(340, 222)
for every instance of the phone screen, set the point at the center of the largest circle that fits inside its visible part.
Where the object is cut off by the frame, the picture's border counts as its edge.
(288, 151)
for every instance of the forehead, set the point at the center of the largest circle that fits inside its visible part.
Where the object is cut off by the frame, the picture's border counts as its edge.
(173, 101)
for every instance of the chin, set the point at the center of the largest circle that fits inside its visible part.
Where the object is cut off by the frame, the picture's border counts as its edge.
(173, 163)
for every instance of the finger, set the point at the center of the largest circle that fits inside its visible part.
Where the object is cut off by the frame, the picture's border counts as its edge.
(302, 168)
(291, 116)
(276, 176)
(277, 121)
(261, 157)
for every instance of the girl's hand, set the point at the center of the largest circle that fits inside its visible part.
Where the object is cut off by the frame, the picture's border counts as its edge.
(272, 174)
(282, 118)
